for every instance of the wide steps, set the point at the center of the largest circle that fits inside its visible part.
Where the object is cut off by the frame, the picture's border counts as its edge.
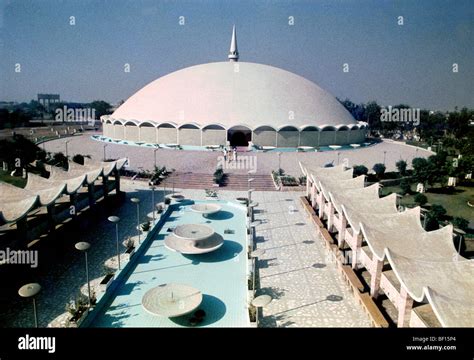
(261, 182)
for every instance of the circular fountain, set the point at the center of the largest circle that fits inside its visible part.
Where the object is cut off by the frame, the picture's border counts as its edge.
(193, 239)
(206, 209)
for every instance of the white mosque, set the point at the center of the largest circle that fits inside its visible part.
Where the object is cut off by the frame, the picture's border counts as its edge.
(234, 103)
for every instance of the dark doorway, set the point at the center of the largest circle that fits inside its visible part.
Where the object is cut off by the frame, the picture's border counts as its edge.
(239, 137)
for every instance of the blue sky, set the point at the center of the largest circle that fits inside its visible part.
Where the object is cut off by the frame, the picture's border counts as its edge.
(388, 63)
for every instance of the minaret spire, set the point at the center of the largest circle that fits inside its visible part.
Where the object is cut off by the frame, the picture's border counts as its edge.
(233, 52)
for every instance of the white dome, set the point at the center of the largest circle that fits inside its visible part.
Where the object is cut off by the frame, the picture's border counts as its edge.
(231, 94)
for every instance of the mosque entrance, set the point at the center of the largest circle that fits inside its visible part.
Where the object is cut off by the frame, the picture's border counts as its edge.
(239, 137)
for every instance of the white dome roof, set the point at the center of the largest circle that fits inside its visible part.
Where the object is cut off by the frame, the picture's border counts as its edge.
(231, 94)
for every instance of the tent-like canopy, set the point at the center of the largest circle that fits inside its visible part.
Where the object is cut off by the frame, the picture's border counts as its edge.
(425, 262)
(16, 202)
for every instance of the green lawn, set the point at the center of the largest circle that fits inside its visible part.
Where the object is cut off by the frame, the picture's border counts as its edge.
(455, 203)
(14, 180)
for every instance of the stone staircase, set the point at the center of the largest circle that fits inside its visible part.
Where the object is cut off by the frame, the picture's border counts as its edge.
(190, 180)
(261, 182)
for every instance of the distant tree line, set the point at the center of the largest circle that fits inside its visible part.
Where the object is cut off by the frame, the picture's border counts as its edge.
(433, 125)
(19, 115)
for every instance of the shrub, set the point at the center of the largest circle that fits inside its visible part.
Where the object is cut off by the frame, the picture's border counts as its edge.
(405, 187)
(145, 226)
(288, 181)
(219, 175)
(360, 170)
(402, 167)
(129, 243)
(461, 223)
(210, 193)
(78, 158)
(437, 211)
(431, 223)
(420, 199)
(379, 169)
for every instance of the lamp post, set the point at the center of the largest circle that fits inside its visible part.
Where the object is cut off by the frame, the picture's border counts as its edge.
(137, 201)
(84, 246)
(65, 143)
(30, 291)
(153, 202)
(384, 153)
(162, 177)
(279, 163)
(173, 178)
(115, 220)
(154, 156)
(248, 183)
(104, 151)
(254, 255)
(260, 302)
(252, 225)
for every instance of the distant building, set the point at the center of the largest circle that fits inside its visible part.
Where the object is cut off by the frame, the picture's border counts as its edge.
(48, 100)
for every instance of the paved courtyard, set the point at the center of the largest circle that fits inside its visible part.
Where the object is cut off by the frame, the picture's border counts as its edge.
(288, 271)
(296, 271)
(206, 161)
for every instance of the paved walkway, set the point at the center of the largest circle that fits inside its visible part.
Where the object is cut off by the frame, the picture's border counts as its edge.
(206, 161)
(294, 270)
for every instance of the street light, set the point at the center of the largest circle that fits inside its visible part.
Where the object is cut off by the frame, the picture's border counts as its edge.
(30, 291)
(252, 225)
(115, 220)
(104, 151)
(248, 183)
(65, 143)
(162, 179)
(154, 156)
(254, 255)
(279, 163)
(84, 246)
(152, 187)
(261, 301)
(173, 178)
(137, 201)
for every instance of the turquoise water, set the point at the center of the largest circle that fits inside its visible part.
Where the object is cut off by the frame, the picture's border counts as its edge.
(220, 275)
(203, 148)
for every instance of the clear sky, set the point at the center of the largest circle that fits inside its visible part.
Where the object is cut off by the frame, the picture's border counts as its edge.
(391, 64)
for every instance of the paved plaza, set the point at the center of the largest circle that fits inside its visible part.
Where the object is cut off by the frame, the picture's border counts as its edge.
(293, 269)
(206, 161)
(296, 270)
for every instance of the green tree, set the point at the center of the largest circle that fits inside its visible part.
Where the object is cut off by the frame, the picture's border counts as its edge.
(438, 212)
(379, 170)
(460, 223)
(405, 187)
(372, 113)
(101, 108)
(402, 167)
(360, 170)
(420, 199)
